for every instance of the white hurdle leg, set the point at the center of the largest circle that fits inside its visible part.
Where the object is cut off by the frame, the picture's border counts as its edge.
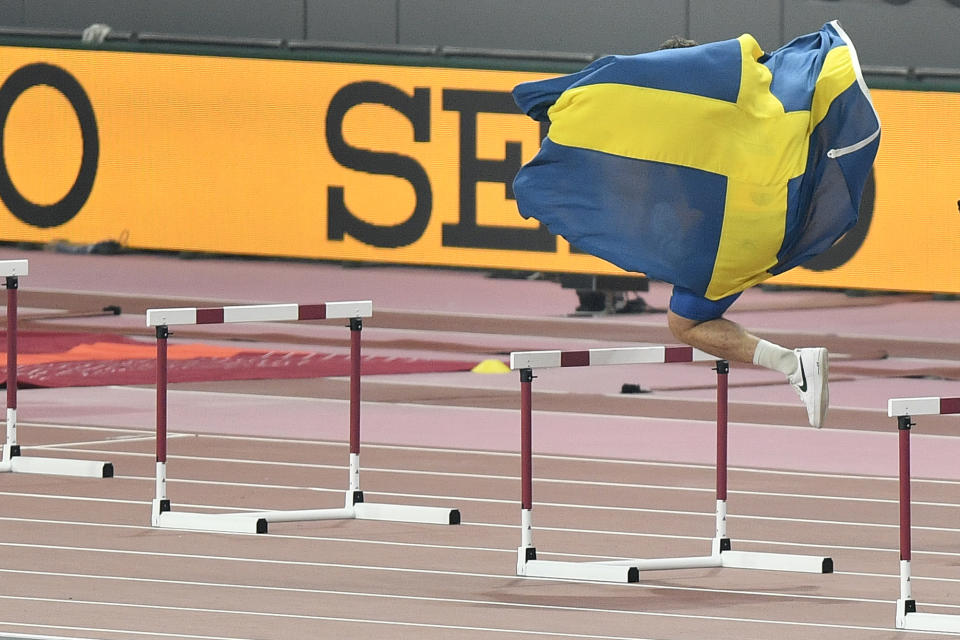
(526, 551)
(160, 502)
(9, 445)
(353, 480)
(720, 539)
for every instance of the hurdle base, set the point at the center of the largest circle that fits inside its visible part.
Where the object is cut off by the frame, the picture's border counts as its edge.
(628, 570)
(57, 467)
(728, 559)
(776, 562)
(367, 511)
(257, 521)
(909, 620)
(590, 571)
(406, 513)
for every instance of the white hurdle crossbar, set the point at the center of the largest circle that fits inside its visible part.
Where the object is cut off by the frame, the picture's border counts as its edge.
(256, 521)
(628, 570)
(12, 459)
(907, 615)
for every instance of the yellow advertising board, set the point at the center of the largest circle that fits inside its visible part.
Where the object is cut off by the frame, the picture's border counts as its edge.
(370, 163)
(908, 236)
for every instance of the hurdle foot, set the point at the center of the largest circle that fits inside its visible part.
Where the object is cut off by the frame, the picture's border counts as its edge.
(406, 513)
(524, 555)
(210, 522)
(591, 571)
(935, 622)
(364, 511)
(61, 467)
(776, 562)
(6, 458)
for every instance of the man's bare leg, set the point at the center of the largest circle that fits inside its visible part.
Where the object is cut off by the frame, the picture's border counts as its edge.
(718, 337)
(805, 369)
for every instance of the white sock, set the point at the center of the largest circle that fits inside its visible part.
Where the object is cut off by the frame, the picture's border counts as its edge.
(773, 356)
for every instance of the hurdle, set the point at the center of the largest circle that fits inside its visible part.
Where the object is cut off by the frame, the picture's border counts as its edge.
(257, 521)
(628, 570)
(12, 459)
(907, 615)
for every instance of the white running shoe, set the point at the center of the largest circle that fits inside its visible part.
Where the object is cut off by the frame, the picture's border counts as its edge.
(810, 383)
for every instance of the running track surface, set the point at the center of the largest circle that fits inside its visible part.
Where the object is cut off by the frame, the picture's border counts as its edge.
(616, 475)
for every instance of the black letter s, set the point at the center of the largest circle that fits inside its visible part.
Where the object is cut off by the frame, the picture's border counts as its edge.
(417, 109)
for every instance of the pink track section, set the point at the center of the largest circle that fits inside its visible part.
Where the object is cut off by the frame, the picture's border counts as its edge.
(472, 295)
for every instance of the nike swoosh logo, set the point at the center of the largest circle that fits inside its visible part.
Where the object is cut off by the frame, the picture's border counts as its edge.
(803, 376)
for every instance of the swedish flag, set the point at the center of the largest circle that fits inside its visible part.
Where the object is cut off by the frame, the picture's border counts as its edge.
(711, 167)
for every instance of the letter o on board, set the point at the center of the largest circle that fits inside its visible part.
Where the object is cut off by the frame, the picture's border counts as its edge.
(66, 208)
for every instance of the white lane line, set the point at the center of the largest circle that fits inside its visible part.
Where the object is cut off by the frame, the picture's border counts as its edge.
(82, 427)
(347, 541)
(447, 600)
(677, 512)
(294, 616)
(482, 476)
(507, 454)
(512, 550)
(456, 499)
(127, 634)
(646, 614)
(20, 494)
(564, 530)
(75, 447)
(867, 574)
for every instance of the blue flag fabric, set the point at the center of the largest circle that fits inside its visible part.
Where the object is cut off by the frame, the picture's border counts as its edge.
(711, 167)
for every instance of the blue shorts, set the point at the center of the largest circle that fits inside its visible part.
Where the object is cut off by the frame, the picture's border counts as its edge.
(687, 304)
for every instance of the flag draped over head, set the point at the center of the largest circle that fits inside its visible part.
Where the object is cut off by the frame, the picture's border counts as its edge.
(711, 167)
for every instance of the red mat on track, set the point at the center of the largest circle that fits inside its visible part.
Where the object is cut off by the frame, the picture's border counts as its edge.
(83, 359)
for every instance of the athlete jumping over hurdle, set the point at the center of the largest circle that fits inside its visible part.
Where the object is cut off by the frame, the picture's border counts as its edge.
(711, 167)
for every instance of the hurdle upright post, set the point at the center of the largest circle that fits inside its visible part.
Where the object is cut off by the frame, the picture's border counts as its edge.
(720, 540)
(160, 502)
(12, 459)
(903, 409)
(906, 603)
(355, 507)
(10, 447)
(526, 551)
(628, 570)
(354, 493)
